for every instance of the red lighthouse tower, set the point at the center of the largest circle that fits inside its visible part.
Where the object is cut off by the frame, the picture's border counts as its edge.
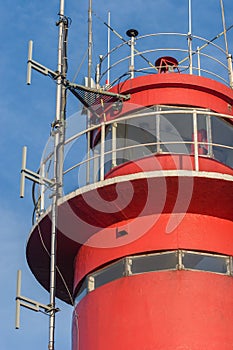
(145, 239)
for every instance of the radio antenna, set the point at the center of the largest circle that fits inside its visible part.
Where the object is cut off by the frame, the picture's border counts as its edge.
(58, 134)
(190, 53)
(109, 47)
(56, 185)
(90, 42)
(229, 57)
(125, 41)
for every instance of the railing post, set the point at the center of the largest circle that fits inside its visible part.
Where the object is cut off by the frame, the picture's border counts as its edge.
(114, 127)
(209, 136)
(102, 150)
(230, 72)
(198, 61)
(195, 140)
(42, 192)
(190, 53)
(157, 124)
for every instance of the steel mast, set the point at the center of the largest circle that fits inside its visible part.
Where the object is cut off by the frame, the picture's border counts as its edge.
(58, 134)
(90, 43)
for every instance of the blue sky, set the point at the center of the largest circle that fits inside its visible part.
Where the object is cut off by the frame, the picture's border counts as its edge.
(27, 112)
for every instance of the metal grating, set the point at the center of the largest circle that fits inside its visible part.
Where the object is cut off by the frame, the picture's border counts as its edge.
(95, 99)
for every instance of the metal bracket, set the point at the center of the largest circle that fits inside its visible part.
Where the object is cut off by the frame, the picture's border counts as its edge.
(98, 91)
(90, 284)
(180, 255)
(31, 175)
(229, 266)
(28, 303)
(128, 262)
(88, 97)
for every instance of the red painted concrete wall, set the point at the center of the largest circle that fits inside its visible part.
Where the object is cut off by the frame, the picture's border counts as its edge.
(178, 89)
(175, 310)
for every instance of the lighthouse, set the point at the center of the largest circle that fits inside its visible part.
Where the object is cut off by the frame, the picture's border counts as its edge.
(144, 240)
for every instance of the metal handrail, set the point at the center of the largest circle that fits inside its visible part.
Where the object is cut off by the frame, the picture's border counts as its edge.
(179, 50)
(103, 155)
(140, 114)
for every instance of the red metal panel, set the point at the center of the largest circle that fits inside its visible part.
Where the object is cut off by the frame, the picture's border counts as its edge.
(169, 162)
(178, 89)
(204, 227)
(162, 310)
(195, 232)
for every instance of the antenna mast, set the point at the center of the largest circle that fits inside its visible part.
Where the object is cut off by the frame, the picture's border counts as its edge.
(109, 47)
(229, 57)
(190, 37)
(58, 134)
(89, 42)
(90, 39)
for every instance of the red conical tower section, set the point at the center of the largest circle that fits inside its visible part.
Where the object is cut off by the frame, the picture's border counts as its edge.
(145, 246)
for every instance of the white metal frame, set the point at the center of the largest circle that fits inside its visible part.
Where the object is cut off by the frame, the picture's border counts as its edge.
(100, 158)
(186, 52)
(88, 284)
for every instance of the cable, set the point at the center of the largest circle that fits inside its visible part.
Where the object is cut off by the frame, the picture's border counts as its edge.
(80, 66)
(125, 41)
(208, 42)
(224, 27)
(118, 79)
(57, 268)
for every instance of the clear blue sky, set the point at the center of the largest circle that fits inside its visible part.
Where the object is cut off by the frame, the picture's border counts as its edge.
(27, 112)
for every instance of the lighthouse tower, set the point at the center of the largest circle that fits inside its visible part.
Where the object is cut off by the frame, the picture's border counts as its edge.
(144, 240)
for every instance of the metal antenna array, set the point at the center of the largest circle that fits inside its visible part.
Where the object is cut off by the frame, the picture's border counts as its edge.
(27, 303)
(58, 132)
(57, 182)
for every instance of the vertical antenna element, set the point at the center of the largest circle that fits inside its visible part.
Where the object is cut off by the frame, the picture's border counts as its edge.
(229, 57)
(18, 291)
(23, 167)
(190, 37)
(58, 128)
(90, 39)
(224, 26)
(89, 85)
(109, 47)
(190, 16)
(29, 65)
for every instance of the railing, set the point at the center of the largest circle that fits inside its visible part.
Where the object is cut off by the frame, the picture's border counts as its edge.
(152, 263)
(195, 55)
(155, 131)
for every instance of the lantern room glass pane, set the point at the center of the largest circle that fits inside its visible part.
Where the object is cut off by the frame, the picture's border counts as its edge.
(205, 262)
(135, 138)
(222, 135)
(157, 262)
(176, 133)
(109, 274)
